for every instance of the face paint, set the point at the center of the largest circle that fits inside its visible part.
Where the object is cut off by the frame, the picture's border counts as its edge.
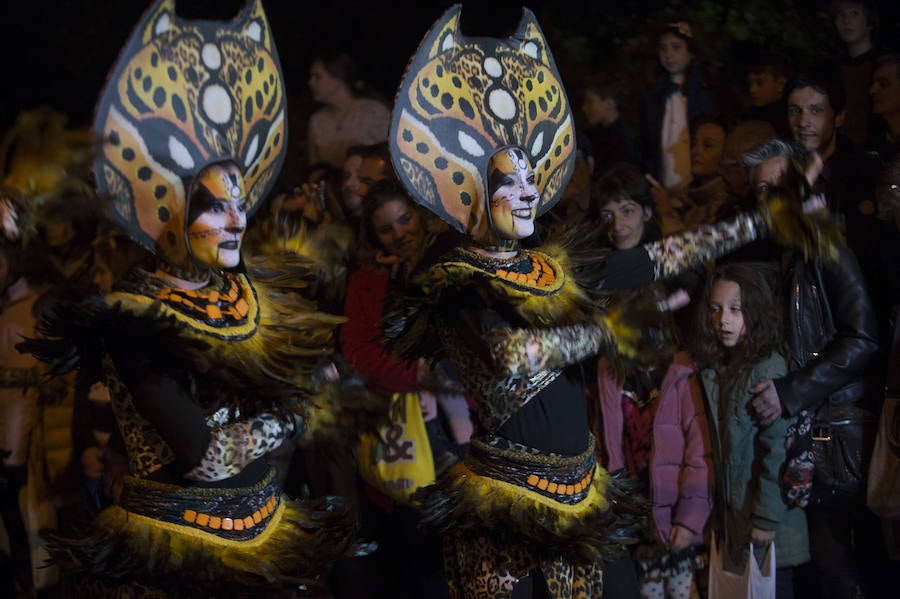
(513, 194)
(216, 232)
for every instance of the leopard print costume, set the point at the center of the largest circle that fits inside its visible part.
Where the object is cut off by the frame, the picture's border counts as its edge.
(511, 378)
(499, 568)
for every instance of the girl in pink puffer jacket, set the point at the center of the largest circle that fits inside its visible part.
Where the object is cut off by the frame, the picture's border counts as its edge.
(655, 426)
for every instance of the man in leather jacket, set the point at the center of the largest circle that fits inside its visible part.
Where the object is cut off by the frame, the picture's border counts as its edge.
(833, 339)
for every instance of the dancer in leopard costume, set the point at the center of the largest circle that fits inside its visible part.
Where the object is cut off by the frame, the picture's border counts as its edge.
(482, 135)
(209, 368)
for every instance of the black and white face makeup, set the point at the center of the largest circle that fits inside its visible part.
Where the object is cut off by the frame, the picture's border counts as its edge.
(513, 194)
(220, 208)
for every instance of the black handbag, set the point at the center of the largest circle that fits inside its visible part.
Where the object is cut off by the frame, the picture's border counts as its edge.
(842, 440)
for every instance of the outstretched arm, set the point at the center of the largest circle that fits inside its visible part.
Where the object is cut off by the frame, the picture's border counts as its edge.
(677, 253)
(524, 352)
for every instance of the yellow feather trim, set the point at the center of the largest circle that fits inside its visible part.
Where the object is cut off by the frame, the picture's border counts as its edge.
(486, 493)
(560, 303)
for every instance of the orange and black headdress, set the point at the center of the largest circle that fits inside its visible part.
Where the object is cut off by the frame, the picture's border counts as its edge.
(184, 95)
(461, 100)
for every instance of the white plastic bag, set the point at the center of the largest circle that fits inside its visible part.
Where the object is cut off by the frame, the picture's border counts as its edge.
(757, 582)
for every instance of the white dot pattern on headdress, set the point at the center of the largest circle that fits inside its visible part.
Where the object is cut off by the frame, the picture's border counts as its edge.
(493, 67)
(538, 144)
(468, 143)
(254, 32)
(180, 154)
(448, 42)
(163, 24)
(217, 104)
(212, 58)
(502, 104)
(251, 150)
(531, 49)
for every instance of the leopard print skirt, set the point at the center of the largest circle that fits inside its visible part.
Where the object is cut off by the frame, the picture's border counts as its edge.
(508, 511)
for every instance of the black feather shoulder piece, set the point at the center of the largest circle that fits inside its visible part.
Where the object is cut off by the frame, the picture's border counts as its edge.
(231, 340)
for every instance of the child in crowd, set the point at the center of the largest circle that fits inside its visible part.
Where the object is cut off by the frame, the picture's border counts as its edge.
(684, 92)
(655, 425)
(736, 341)
(766, 74)
(611, 136)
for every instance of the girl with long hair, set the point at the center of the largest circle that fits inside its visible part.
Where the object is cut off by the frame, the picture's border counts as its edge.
(736, 342)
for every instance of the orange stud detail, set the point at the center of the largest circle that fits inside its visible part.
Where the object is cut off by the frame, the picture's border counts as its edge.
(202, 519)
(570, 489)
(239, 523)
(213, 296)
(551, 488)
(257, 517)
(264, 511)
(189, 516)
(215, 522)
(213, 311)
(242, 307)
(533, 480)
(579, 487)
(249, 521)
(542, 485)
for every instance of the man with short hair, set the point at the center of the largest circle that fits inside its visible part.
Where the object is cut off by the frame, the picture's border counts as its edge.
(816, 110)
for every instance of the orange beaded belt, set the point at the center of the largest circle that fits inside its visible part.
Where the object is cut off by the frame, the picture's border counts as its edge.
(566, 479)
(237, 514)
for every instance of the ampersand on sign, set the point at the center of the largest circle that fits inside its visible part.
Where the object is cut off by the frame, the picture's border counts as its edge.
(395, 449)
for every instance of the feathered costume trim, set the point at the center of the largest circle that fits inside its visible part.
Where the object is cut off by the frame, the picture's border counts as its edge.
(463, 501)
(409, 315)
(300, 542)
(273, 356)
(642, 331)
(44, 169)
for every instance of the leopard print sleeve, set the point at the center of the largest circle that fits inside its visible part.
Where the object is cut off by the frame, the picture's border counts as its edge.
(525, 352)
(676, 253)
(233, 446)
(503, 368)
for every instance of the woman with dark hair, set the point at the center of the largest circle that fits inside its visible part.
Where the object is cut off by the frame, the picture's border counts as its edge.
(622, 201)
(345, 117)
(394, 238)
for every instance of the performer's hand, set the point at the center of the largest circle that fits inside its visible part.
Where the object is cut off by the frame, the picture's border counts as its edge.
(765, 405)
(678, 300)
(760, 537)
(679, 538)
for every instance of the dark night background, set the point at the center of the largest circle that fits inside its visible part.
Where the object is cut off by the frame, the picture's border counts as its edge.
(57, 52)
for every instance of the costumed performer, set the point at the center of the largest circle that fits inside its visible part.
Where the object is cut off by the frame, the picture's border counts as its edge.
(209, 370)
(482, 135)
